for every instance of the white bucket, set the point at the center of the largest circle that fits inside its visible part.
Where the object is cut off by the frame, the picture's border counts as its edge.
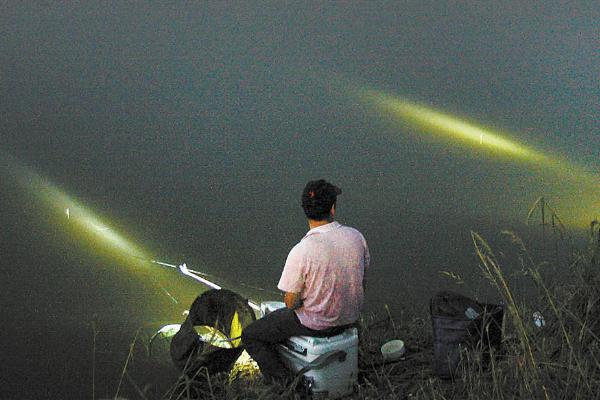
(393, 350)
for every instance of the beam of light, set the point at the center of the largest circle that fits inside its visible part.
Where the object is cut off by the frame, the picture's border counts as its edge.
(577, 189)
(88, 223)
(78, 216)
(450, 126)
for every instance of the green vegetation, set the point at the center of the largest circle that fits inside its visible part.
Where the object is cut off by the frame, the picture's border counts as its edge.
(559, 359)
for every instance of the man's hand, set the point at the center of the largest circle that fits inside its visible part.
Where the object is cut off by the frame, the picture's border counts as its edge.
(292, 300)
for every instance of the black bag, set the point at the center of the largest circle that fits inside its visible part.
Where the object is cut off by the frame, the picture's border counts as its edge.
(460, 322)
(216, 309)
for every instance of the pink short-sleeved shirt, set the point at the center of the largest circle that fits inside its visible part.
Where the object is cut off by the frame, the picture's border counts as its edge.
(327, 269)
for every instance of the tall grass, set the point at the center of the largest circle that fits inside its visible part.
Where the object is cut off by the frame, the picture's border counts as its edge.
(560, 358)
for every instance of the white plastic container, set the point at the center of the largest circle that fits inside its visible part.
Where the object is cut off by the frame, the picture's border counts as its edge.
(393, 350)
(337, 375)
(267, 307)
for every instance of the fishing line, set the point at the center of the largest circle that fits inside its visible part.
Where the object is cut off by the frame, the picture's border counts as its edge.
(192, 274)
(169, 295)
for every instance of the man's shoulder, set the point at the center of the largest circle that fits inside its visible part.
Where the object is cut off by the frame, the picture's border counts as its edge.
(348, 227)
(299, 248)
(351, 230)
(315, 240)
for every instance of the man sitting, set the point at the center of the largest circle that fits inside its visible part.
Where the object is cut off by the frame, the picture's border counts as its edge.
(322, 280)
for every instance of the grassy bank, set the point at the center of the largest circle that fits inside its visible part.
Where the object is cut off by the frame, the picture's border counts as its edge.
(556, 359)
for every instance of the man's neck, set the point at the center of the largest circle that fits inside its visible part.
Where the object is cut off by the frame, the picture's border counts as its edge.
(313, 223)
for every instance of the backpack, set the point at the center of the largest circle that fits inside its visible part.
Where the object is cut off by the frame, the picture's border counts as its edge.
(460, 322)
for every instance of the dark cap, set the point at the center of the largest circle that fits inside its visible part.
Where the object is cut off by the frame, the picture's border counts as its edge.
(318, 197)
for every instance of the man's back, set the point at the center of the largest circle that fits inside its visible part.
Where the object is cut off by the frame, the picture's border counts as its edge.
(322, 279)
(327, 269)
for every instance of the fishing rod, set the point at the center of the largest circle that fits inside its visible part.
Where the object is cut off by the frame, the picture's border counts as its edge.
(188, 272)
(194, 275)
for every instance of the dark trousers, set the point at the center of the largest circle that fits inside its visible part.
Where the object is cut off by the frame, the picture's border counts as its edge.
(261, 338)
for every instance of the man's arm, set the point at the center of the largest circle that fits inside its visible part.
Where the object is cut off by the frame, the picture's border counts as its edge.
(292, 300)
(291, 282)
